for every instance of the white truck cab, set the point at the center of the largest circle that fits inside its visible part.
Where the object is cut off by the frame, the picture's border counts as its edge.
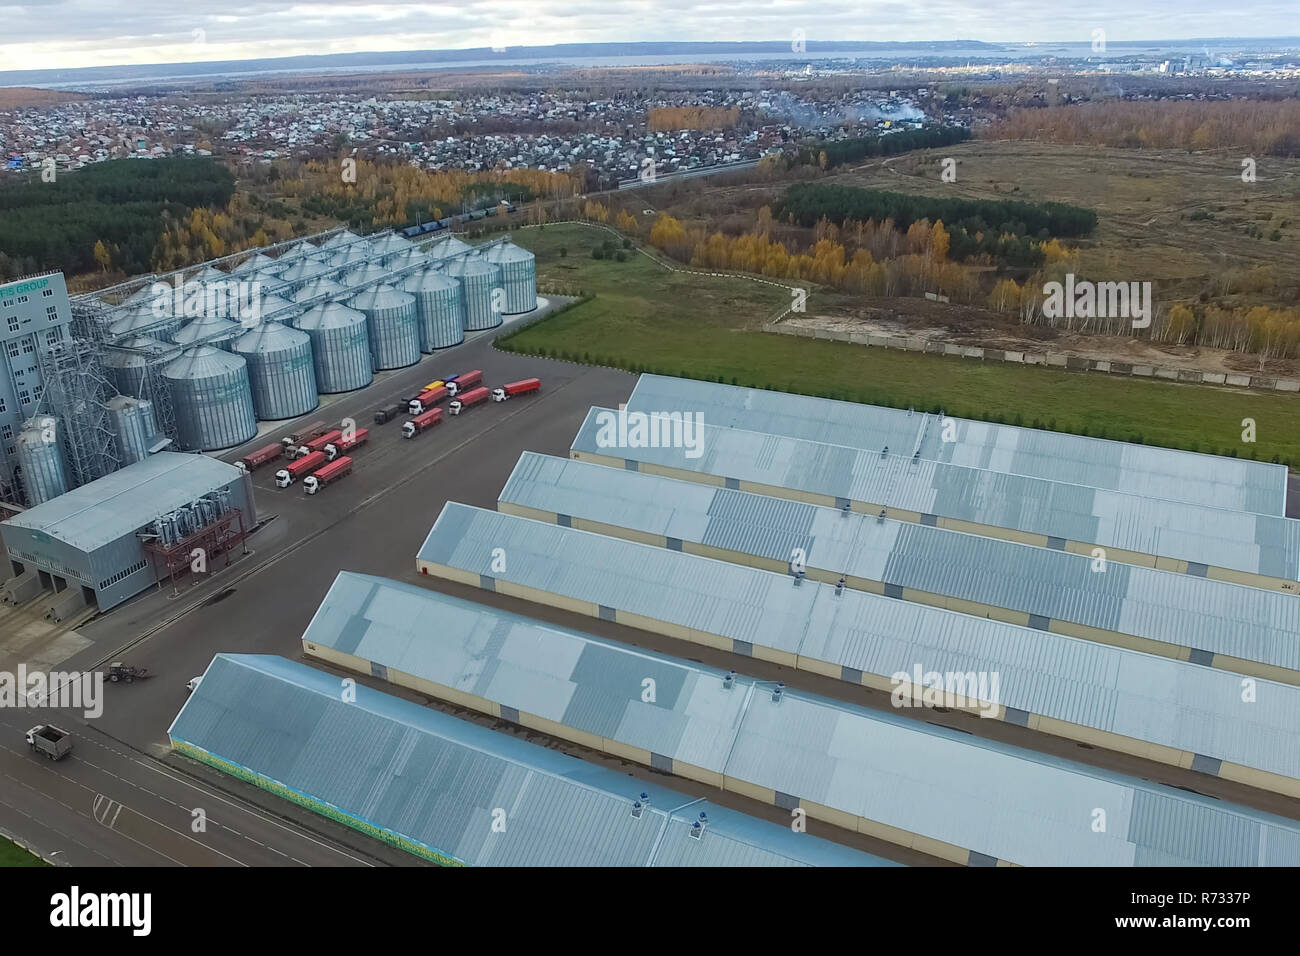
(283, 479)
(498, 394)
(455, 407)
(311, 484)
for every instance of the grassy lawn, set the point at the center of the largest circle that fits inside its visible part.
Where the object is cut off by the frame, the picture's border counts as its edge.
(706, 328)
(13, 855)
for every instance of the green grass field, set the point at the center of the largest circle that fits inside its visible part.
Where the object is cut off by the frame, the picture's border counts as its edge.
(13, 855)
(645, 317)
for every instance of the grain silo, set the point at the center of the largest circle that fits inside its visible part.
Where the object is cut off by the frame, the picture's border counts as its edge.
(40, 458)
(281, 372)
(439, 309)
(448, 248)
(127, 361)
(208, 274)
(363, 275)
(143, 320)
(518, 276)
(132, 421)
(257, 263)
(318, 288)
(295, 253)
(208, 330)
(273, 308)
(389, 246)
(394, 329)
(350, 257)
(481, 281)
(212, 399)
(303, 270)
(271, 284)
(341, 240)
(340, 347)
(409, 257)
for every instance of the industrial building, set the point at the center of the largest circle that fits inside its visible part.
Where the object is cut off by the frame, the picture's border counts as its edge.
(1208, 622)
(118, 535)
(1215, 481)
(1254, 549)
(1162, 708)
(932, 789)
(205, 353)
(455, 793)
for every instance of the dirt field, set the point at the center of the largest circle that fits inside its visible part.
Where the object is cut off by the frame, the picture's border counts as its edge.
(20, 97)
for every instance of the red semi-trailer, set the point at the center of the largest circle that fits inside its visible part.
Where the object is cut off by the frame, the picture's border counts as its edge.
(336, 448)
(511, 389)
(261, 457)
(319, 443)
(468, 399)
(419, 423)
(296, 469)
(464, 382)
(426, 400)
(330, 473)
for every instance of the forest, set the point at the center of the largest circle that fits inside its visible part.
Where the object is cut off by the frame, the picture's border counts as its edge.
(121, 207)
(837, 152)
(1004, 231)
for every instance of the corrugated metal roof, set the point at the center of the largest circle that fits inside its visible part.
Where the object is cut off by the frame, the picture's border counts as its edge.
(1143, 470)
(1179, 609)
(125, 501)
(1260, 544)
(998, 800)
(436, 780)
(1142, 696)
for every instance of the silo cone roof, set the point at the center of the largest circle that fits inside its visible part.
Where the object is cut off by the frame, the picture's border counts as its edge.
(141, 296)
(306, 269)
(470, 266)
(430, 280)
(269, 337)
(208, 274)
(363, 275)
(317, 287)
(380, 297)
(295, 252)
(411, 256)
(349, 256)
(271, 283)
(507, 252)
(206, 329)
(141, 317)
(390, 243)
(258, 262)
(202, 362)
(328, 315)
(339, 239)
(271, 304)
(451, 246)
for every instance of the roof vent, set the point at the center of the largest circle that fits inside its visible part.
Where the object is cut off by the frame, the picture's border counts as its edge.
(798, 578)
(700, 825)
(839, 587)
(884, 452)
(639, 806)
(880, 517)
(777, 691)
(729, 681)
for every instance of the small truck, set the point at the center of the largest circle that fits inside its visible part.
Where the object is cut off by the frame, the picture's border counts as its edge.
(50, 740)
(117, 671)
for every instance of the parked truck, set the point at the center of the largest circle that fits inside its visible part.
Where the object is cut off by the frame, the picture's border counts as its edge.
(511, 389)
(50, 740)
(260, 457)
(426, 400)
(420, 423)
(320, 441)
(299, 468)
(336, 448)
(327, 475)
(464, 382)
(436, 383)
(468, 399)
(304, 434)
(388, 413)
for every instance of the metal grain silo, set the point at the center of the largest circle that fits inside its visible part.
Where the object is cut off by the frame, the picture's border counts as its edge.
(518, 275)
(340, 240)
(389, 245)
(274, 308)
(271, 284)
(303, 270)
(206, 331)
(448, 248)
(127, 361)
(294, 253)
(212, 399)
(208, 274)
(439, 309)
(317, 288)
(479, 279)
(280, 370)
(39, 453)
(350, 257)
(257, 263)
(340, 347)
(132, 421)
(359, 277)
(394, 330)
(142, 320)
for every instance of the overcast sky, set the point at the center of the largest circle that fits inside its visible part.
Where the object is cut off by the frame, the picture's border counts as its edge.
(70, 33)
